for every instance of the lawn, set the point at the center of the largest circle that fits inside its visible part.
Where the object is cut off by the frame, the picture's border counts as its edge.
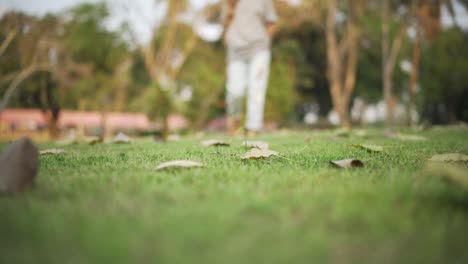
(107, 204)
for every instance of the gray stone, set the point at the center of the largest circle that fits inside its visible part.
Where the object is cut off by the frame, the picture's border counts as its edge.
(19, 165)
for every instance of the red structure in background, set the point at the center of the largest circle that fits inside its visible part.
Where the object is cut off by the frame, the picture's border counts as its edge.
(35, 119)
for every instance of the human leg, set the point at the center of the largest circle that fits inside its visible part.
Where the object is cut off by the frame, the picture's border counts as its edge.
(236, 84)
(259, 70)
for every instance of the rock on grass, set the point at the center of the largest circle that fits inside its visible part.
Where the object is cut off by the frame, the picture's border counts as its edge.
(19, 166)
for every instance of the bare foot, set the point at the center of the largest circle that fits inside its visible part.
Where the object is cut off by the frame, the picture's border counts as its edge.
(250, 133)
(233, 125)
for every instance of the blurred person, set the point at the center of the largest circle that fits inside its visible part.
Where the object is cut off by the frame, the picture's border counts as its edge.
(249, 26)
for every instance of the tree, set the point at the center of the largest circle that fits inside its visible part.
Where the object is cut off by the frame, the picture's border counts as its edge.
(165, 55)
(444, 83)
(32, 49)
(389, 57)
(342, 55)
(54, 56)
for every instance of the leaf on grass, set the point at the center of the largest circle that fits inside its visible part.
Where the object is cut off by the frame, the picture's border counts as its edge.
(173, 138)
(259, 154)
(215, 143)
(52, 152)
(361, 133)
(66, 142)
(121, 138)
(370, 148)
(336, 139)
(179, 164)
(451, 174)
(420, 128)
(342, 132)
(348, 163)
(410, 137)
(256, 144)
(449, 157)
(94, 140)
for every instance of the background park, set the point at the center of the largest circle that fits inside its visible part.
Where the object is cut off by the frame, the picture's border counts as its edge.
(110, 90)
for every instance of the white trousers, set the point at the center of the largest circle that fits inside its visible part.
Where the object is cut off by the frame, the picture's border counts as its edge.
(251, 74)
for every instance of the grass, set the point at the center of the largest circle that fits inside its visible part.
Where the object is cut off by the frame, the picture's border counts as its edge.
(107, 204)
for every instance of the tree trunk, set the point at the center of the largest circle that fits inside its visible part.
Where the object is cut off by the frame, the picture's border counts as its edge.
(21, 77)
(122, 80)
(387, 83)
(334, 63)
(54, 131)
(6, 43)
(414, 76)
(342, 59)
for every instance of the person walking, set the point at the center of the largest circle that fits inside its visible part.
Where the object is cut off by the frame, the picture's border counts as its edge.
(249, 26)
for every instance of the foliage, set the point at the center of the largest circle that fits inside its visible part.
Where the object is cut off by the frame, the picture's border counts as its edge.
(444, 73)
(87, 39)
(204, 73)
(298, 79)
(107, 204)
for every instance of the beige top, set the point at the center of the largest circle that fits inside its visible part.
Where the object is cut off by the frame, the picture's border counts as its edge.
(247, 34)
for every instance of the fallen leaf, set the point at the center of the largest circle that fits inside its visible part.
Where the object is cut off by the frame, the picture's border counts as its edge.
(420, 128)
(65, 142)
(361, 133)
(173, 138)
(410, 137)
(451, 174)
(370, 148)
(200, 135)
(348, 163)
(449, 157)
(94, 140)
(336, 139)
(179, 164)
(19, 166)
(52, 152)
(342, 132)
(256, 144)
(215, 143)
(121, 138)
(259, 154)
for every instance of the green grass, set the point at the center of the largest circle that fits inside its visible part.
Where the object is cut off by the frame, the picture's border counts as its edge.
(107, 204)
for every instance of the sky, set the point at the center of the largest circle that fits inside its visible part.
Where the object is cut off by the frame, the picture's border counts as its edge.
(41, 7)
(143, 14)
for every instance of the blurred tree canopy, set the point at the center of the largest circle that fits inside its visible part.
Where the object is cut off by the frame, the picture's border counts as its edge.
(73, 60)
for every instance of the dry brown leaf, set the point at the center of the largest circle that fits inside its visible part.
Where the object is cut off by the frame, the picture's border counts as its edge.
(348, 163)
(215, 143)
(66, 142)
(256, 144)
(121, 138)
(342, 132)
(259, 154)
(52, 152)
(336, 139)
(173, 138)
(179, 164)
(449, 157)
(360, 133)
(452, 174)
(94, 140)
(410, 137)
(370, 148)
